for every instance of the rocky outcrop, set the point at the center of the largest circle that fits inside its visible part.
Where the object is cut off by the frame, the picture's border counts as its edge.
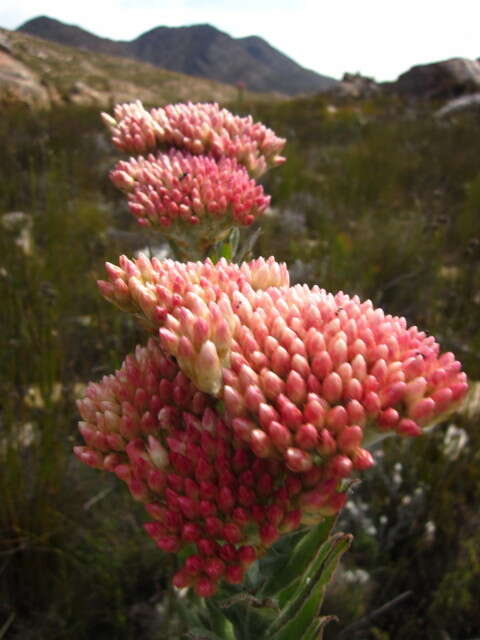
(440, 80)
(19, 84)
(354, 85)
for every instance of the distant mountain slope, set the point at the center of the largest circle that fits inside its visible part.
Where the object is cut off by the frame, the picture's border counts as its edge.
(72, 36)
(41, 73)
(199, 50)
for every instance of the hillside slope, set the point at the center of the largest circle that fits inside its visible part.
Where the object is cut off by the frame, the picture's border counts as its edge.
(199, 50)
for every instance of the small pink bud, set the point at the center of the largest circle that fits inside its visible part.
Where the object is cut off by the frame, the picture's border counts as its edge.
(362, 459)
(271, 383)
(214, 568)
(340, 466)
(243, 428)
(353, 389)
(232, 533)
(225, 500)
(181, 579)
(208, 371)
(443, 398)
(416, 389)
(336, 418)
(246, 496)
(267, 414)
(307, 436)
(234, 574)
(349, 439)
(322, 364)
(408, 427)
(280, 361)
(154, 529)
(293, 485)
(279, 435)
(459, 390)
(290, 413)
(372, 403)
(275, 515)
(247, 555)
(234, 402)
(388, 418)
(158, 454)
(296, 389)
(326, 443)
(156, 480)
(314, 411)
(269, 533)
(194, 565)
(261, 443)
(169, 544)
(356, 413)
(422, 410)
(205, 588)
(240, 516)
(393, 394)
(188, 506)
(332, 387)
(191, 532)
(253, 398)
(227, 552)
(298, 460)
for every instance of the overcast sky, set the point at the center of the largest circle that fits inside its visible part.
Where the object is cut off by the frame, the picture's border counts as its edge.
(379, 38)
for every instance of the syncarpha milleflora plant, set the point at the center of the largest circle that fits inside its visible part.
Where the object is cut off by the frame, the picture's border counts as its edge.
(253, 403)
(197, 180)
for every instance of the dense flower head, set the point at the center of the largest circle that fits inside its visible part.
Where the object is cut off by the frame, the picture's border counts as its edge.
(201, 485)
(199, 129)
(177, 191)
(304, 375)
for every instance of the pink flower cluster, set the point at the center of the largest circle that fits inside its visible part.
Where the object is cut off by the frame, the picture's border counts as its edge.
(175, 190)
(303, 374)
(199, 129)
(197, 190)
(254, 402)
(199, 482)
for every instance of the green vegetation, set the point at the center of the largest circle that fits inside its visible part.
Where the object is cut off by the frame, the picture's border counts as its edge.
(376, 199)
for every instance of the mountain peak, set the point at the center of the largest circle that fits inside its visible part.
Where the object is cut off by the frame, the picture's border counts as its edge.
(198, 50)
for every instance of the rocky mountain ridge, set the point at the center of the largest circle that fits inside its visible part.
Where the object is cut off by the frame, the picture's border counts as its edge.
(198, 50)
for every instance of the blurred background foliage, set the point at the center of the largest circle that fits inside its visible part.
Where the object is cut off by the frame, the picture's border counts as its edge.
(378, 198)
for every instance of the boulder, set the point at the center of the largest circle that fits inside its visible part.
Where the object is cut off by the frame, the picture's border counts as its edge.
(469, 102)
(446, 79)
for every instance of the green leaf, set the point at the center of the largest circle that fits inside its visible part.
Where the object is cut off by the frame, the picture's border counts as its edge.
(296, 617)
(315, 630)
(243, 252)
(300, 559)
(219, 622)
